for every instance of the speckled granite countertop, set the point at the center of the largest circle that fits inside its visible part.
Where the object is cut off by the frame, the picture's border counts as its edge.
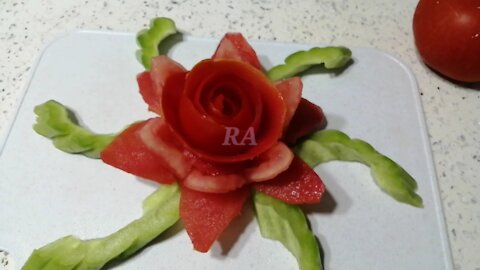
(452, 112)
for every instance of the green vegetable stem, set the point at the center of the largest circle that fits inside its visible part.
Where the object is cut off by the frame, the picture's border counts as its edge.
(160, 211)
(330, 57)
(54, 122)
(150, 39)
(288, 224)
(327, 145)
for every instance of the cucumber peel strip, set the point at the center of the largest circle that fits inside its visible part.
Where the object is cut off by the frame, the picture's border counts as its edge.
(149, 39)
(330, 57)
(160, 212)
(328, 145)
(287, 223)
(55, 122)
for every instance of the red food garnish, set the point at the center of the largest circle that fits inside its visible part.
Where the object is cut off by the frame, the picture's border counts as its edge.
(219, 183)
(291, 91)
(307, 118)
(206, 215)
(222, 98)
(270, 163)
(128, 152)
(234, 46)
(297, 185)
(151, 83)
(220, 131)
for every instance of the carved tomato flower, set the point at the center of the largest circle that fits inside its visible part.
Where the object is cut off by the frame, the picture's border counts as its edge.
(222, 130)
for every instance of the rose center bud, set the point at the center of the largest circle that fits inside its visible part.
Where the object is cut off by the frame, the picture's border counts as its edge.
(227, 111)
(225, 103)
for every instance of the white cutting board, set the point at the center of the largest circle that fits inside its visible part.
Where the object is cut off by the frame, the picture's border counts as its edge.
(46, 194)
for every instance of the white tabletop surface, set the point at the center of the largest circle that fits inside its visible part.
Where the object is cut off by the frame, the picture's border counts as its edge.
(452, 111)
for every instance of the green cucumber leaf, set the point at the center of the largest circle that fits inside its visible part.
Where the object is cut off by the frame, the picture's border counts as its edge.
(287, 224)
(330, 57)
(328, 145)
(149, 39)
(160, 211)
(55, 122)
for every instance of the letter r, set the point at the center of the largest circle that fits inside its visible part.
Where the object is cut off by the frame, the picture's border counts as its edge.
(231, 134)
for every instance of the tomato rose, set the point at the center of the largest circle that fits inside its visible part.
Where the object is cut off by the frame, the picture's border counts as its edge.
(224, 110)
(221, 127)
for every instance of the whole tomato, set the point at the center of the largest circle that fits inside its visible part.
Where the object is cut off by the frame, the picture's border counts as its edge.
(447, 36)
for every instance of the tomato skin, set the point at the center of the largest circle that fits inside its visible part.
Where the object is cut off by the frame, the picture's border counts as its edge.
(291, 91)
(447, 36)
(207, 215)
(234, 46)
(151, 83)
(307, 118)
(145, 85)
(270, 163)
(299, 184)
(129, 153)
(201, 132)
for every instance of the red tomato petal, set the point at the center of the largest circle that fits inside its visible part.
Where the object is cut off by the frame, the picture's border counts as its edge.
(214, 177)
(158, 138)
(152, 89)
(307, 118)
(215, 168)
(227, 100)
(211, 82)
(173, 92)
(207, 131)
(221, 183)
(207, 215)
(291, 91)
(198, 129)
(234, 46)
(270, 163)
(129, 153)
(297, 185)
(148, 93)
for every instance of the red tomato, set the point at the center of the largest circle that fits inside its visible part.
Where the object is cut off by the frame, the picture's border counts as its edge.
(221, 183)
(307, 118)
(447, 36)
(220, 94)
(270, 163)
(297, 185)
(291, 91)
(129, 153)
(149, 150)
(234, 46)
(151, 83)
(147, 90)
(207, 215)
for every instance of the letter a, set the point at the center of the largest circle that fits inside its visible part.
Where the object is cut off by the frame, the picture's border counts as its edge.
(250, 136)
